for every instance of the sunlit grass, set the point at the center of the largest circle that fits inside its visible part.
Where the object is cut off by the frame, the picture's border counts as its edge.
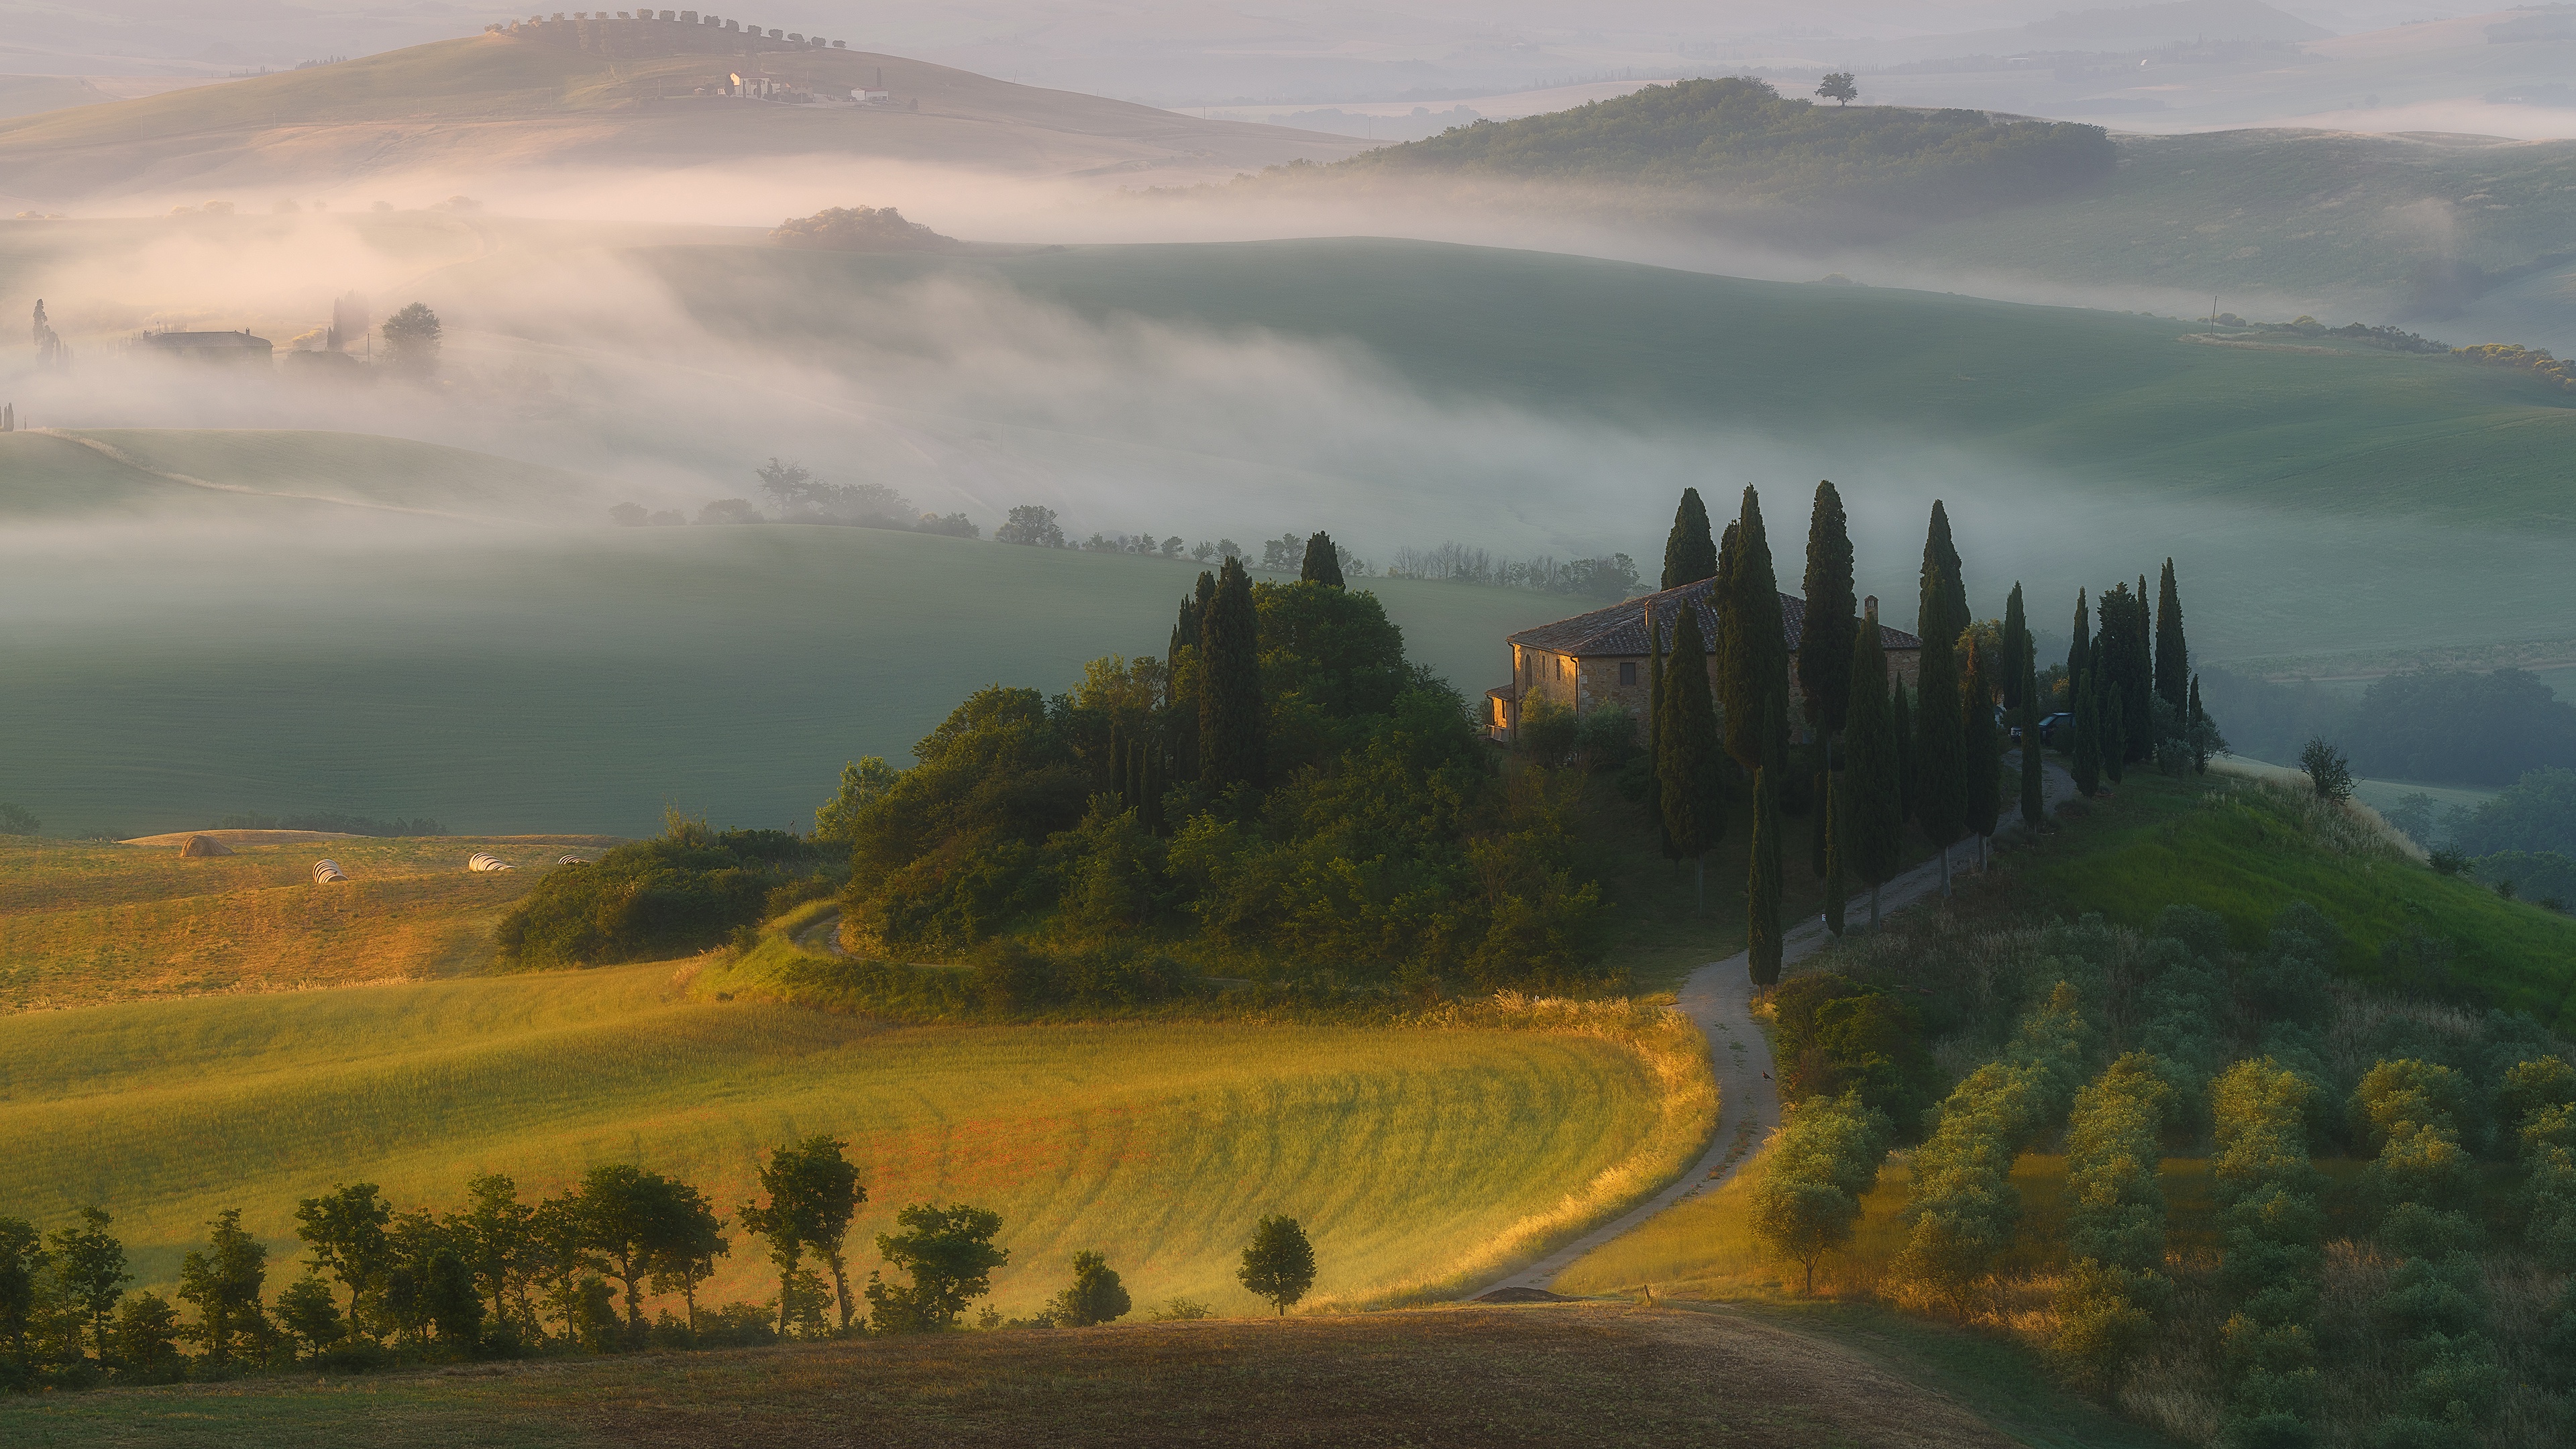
(1413, 1155)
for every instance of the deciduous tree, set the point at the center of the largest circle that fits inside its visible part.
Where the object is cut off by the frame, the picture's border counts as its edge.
(412, 342)
(1839, 87)
(90, 1263)
(223, 1281)
(1278, 1264)
(949, 1254)
(814, 1192)
(1095, 1296)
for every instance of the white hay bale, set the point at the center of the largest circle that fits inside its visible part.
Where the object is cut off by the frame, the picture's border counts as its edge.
(572, 860)
(326, 872)
(485, 861)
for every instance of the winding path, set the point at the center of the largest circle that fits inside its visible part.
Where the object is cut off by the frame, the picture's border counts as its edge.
(1719, 997)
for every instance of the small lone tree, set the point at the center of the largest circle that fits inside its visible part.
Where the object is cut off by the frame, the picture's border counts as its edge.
(1031, 525)
(1278, 1264)
(411, 342)
(2328, 771)
(1095, 1296)
(1839, 87)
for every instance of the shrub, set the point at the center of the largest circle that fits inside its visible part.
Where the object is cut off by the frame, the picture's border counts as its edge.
(684, 892)
(2329, 773)
(1095, 1296)
(949, 1254)
(1824, 1159)
(859, 229)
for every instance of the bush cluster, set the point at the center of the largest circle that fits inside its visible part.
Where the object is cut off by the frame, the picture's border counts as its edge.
(2426, 1186)
(1832, 1035)
(1964, 1208)
(1823, 1161)
(2270, 1219)
(691, 889)
(2115, 1286)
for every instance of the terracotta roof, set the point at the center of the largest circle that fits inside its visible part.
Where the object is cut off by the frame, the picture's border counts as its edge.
(1621, 628)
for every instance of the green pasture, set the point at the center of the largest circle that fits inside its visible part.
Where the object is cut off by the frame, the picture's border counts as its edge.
(1403, 1151)
(512, 680)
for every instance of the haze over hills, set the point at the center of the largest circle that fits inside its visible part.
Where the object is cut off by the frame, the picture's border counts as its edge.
(498, 102)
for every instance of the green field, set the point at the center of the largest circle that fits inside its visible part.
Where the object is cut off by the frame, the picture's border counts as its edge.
(1408, 1153)
(533, 680)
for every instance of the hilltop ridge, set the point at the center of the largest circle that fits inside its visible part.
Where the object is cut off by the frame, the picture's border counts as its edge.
(504, 101)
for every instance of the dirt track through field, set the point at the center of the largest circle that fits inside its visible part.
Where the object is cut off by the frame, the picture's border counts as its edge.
(1719, 997)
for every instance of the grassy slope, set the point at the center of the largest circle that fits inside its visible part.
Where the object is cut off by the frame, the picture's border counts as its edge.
(1401, 1150)
(44, 475)
(1457, 1377)
(566, 681)
(2245, 856)
(91, 923)
(486, 97)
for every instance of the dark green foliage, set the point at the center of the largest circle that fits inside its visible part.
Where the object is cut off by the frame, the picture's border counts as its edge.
(1738, 138)
(2084, 699)
(1873, 814)
(632, 1224)
(1323, 562)
(949, 1254)
(2173, 655)
(1330, 660)
(1833, 1035)
(2122, 667)
(2538, 813)
(1831, 824)
(1762, 939)
(813, 1193)
(1981, 757)
(1690, 554)
(2113, 733)
(1825, 643)
(22, 1261)
(1094, 1297)
(1230, 713)
(145, 1340)
(2034, 800)
(222, 1282)
(1941, 779)
(412, 342)
(1688, 769)
(2329, 773)
(310, 1315)
(2270, 1221)
(2079, 651)
(1753, 663)
(89, 1263)
(1941, 605)
(2016, 642)
(2486, 729)
(1278, 1264)
(1908, 751)
(654, 898)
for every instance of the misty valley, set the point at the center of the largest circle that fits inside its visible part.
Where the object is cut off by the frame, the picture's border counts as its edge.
(1289, 728)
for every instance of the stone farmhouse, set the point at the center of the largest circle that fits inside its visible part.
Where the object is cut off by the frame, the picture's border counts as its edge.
(230, 349)
(1599, 657)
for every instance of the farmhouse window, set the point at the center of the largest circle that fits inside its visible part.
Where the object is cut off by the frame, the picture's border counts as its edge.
(1628, 672)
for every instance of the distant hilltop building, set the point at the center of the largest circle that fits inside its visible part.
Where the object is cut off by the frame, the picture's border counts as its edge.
(228, 349)
(642, 34)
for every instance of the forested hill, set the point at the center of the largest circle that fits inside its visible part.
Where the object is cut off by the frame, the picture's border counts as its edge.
(1740, 138)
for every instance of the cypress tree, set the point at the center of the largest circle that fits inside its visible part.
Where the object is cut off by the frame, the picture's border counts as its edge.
(1762, 887)
(1323, 562)
(2139, 726)
(1901, 720)
(1182, 704)
(2034, 802)
(1825, 643)
(2173, 656)
(1940, 778)
(1870, 826)
(1690, 760)
(1943, 608)
(1230, 685)
(2080, 697)
(1655, 732)
(2199, 737)
(2114, 735)
(2079, 660)
(1829, 805)
(1980, 756)
(1754, 670)
(2016, 638)
(2122, 668)
(1689, 554)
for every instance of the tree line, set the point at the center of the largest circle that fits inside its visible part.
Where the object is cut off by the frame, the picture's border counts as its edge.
(504, 1278)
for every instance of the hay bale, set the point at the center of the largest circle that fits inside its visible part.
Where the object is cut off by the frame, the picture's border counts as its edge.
(327, 871)
(486, 861)
(201, 846)
(571, 860)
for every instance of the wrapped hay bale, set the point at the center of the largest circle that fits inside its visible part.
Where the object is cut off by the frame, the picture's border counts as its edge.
(327, 871)
(484, 860)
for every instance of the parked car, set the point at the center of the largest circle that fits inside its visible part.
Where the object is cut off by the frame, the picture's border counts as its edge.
(2050, 727)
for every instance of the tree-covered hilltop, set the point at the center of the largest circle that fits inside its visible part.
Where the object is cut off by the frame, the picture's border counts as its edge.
(1284, 797)
(1740, 138)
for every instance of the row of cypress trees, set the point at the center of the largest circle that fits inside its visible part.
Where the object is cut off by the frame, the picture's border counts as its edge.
(1937, 763)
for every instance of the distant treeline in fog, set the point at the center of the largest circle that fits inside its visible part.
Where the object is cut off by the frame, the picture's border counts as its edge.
(2454, 726)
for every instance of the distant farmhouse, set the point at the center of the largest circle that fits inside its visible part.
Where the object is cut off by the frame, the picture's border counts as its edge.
(1600, 657)
(228, 349)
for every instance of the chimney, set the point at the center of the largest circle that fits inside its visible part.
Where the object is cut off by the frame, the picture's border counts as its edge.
(1869, 608)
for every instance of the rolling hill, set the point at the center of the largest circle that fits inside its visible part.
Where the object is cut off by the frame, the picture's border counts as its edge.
(495, 102)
